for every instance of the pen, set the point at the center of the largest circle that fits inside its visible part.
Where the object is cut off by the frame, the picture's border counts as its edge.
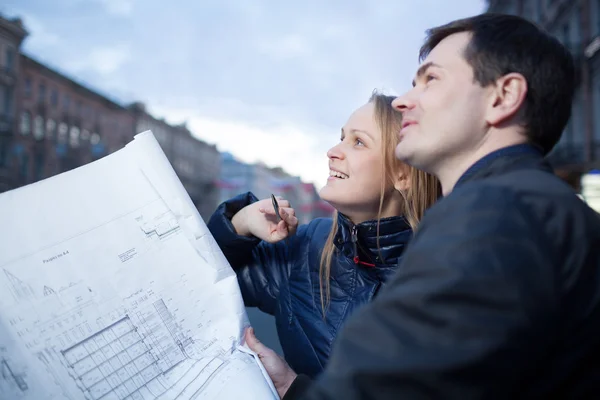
(276, 207)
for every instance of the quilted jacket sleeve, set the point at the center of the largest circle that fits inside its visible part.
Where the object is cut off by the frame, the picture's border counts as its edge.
(261, 267)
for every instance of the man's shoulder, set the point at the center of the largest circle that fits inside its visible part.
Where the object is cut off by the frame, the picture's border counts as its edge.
(514, 189)
(520, 198)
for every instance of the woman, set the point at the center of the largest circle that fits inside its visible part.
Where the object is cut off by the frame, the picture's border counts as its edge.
(330, 267)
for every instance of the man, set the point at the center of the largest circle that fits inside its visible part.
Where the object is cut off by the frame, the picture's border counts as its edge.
(498, 294)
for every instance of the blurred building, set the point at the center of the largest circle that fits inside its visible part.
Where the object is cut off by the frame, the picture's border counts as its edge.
(590, 189)
(238, 177)
(12, 34)
(195, 162)
(62, 124)
(576, 23)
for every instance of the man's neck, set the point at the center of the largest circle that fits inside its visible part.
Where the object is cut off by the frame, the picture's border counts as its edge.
(449, 173)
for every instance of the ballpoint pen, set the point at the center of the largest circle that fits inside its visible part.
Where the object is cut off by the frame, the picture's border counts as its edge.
(276, 207)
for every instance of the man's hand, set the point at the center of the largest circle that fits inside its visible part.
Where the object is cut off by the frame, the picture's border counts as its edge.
(280, 372)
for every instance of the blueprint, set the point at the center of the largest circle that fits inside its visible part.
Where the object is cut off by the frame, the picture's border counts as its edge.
(112, 288)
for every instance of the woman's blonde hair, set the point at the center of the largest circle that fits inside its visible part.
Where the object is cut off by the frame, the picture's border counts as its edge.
(423, 189)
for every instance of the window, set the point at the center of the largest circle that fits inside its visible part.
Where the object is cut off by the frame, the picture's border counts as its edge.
(3, 149)
(74, 137)
(54, 97)
(7, 100)
(66, 102)
(25, 123)
(38, 127)
(597, 18)
(41, 93)
(39, 166)
(63, 130)
(24, 166)
(27, 87)
(566, 34)
(50, 128)
(10, 59)
(85, 134)
(95, 138)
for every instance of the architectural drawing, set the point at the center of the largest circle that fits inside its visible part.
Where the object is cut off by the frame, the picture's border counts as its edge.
(124, 296)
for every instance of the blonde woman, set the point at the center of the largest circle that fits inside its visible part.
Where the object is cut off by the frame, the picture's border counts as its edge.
(331, 266)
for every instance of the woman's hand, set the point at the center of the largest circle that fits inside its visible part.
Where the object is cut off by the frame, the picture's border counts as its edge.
(279, 371)
(260, 220)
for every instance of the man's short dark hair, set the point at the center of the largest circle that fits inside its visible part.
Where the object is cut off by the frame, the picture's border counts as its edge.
(501, 44)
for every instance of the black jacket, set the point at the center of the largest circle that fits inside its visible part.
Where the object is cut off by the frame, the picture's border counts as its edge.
(497, 297)
(283, 280)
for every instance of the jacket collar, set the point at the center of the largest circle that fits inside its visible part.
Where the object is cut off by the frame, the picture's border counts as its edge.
(394, 234)
(505, 159)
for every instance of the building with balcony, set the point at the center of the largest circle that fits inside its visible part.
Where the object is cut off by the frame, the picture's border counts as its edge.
(62, 124)
(576, 23)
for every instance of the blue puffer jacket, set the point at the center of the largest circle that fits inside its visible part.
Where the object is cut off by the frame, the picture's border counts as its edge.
(283, 280)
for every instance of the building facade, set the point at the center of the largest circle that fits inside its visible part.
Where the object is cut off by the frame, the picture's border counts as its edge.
(62, 124)
(576, 23)
(195, 162)
(12, 34)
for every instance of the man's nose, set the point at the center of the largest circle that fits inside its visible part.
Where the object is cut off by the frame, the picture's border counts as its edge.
(403, 103)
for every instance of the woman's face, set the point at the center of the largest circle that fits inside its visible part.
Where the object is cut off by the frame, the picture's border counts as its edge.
(355, 166)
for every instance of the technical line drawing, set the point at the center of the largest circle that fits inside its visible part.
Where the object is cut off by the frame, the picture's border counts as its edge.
(136, 354)
(19, 289)
(161, 226)
(175, 330)
(48, 291)
(10, 380)
(50, 359)
(114, 360)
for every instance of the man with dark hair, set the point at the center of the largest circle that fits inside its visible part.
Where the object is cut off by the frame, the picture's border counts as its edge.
(498, 294)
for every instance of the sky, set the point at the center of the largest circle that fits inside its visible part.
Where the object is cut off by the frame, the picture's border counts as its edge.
(270, 81)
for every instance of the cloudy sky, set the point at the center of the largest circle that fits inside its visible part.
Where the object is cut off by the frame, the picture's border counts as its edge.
(263, 79)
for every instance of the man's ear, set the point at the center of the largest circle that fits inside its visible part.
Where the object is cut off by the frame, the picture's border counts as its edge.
(507, 98)
(402, 181)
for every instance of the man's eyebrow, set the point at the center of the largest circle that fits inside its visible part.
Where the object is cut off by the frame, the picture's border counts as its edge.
(423, 68)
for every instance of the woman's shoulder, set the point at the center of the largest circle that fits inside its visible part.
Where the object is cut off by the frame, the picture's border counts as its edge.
(316, 227)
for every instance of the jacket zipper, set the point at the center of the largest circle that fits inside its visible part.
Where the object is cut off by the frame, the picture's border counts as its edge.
(354, 238)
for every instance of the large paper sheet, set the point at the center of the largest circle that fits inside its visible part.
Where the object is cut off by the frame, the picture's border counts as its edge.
(112, 288)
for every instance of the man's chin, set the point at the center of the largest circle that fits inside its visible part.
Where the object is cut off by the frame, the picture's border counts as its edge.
(401, 153)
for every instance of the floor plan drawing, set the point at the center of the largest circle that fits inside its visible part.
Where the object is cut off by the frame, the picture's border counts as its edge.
(118, 291)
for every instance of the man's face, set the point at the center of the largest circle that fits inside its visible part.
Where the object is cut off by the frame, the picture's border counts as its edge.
(444, 113)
